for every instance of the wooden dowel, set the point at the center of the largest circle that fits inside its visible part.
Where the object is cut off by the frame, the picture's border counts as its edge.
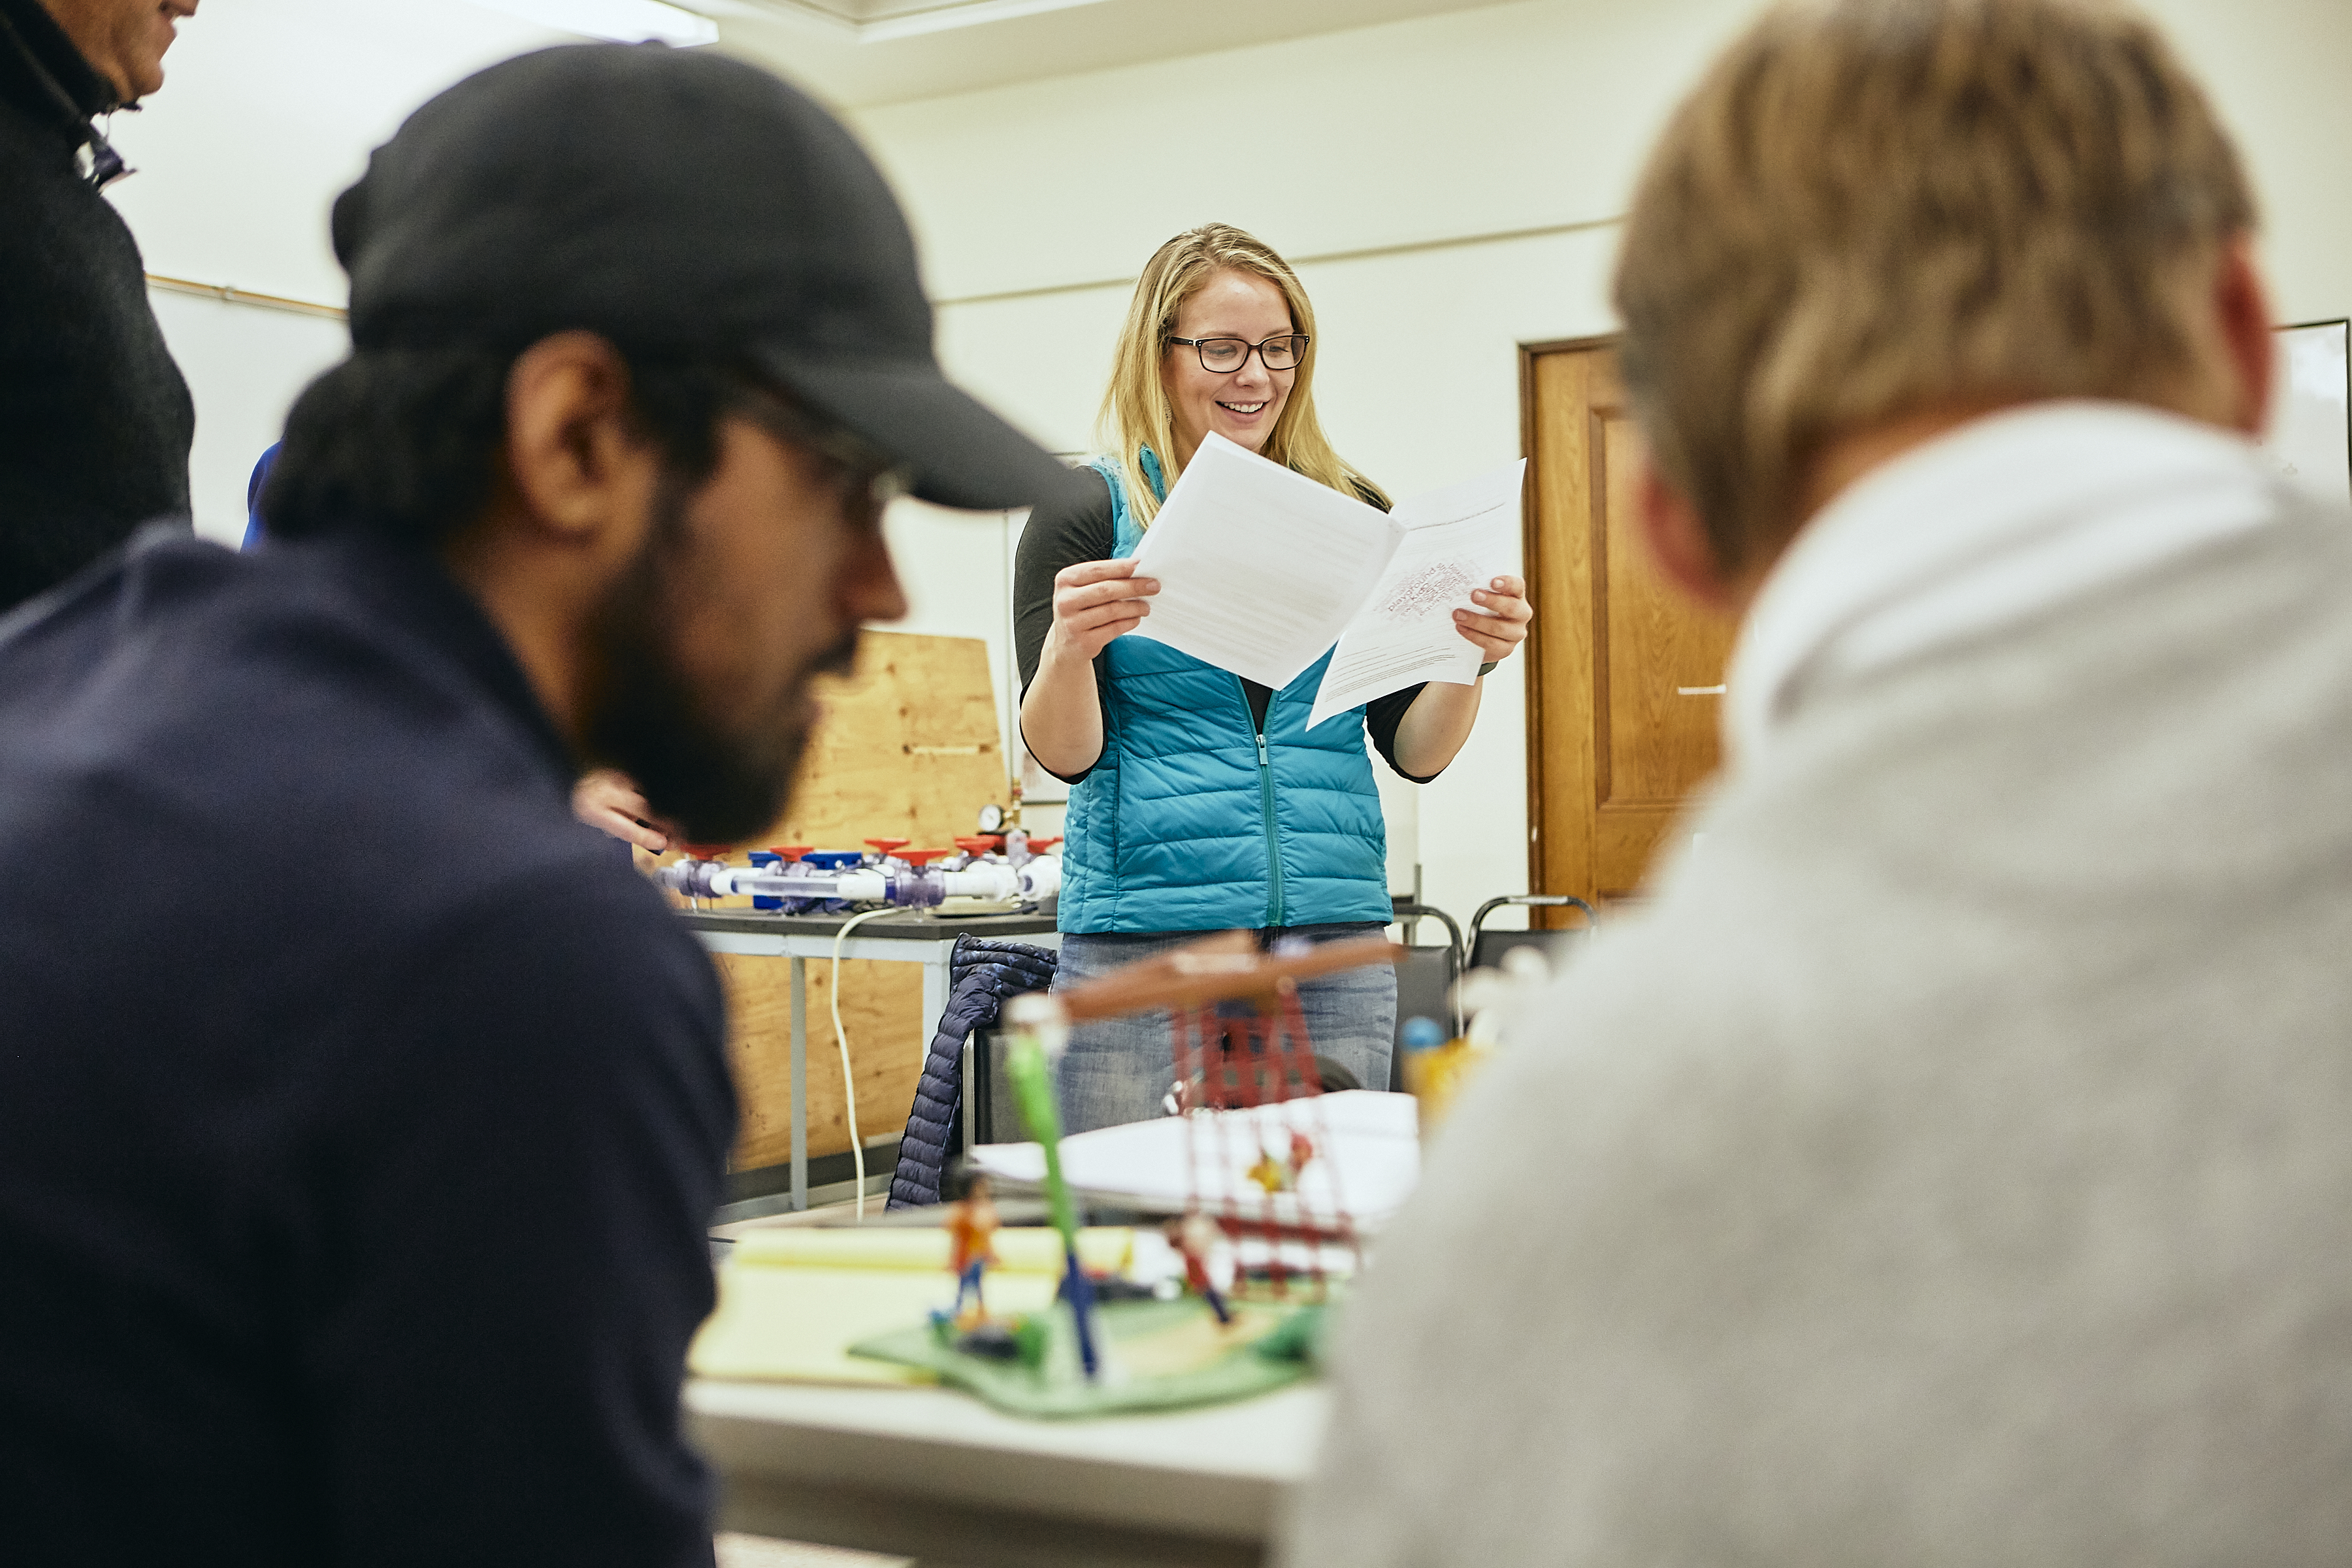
(1222, 968)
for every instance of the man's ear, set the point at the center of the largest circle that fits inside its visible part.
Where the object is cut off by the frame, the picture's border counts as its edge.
(1678, 541)
(2243, 304)
(576, 466)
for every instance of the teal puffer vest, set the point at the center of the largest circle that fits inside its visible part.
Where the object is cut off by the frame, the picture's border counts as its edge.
(1189, 822)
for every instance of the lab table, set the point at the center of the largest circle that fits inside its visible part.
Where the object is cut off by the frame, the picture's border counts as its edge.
(910, 936)
(938, 1476)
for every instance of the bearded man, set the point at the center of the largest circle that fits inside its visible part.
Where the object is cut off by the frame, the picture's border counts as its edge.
(360, 1114)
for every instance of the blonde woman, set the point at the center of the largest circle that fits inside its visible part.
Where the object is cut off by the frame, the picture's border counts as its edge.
(1200, 800)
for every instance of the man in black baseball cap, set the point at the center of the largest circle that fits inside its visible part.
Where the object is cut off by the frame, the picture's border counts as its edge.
(683, 203)
(361, 1113)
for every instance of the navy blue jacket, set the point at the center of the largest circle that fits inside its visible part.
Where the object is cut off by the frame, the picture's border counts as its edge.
(361, 1115)
(980, 975)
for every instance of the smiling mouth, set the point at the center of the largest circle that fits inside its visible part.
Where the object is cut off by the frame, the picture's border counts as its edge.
(1242, 408)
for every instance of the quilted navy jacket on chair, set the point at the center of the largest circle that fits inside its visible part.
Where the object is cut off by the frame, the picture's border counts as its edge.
(980, 975)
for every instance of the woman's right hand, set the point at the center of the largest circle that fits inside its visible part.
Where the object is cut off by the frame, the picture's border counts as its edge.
(1094, 602)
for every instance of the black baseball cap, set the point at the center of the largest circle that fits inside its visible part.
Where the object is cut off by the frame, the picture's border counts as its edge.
(672, 201)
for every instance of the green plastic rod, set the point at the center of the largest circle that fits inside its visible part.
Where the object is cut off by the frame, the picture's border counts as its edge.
(1033, 1086)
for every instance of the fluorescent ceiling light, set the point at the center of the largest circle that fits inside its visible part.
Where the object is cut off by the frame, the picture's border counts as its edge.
(623, 21)
(878, 21)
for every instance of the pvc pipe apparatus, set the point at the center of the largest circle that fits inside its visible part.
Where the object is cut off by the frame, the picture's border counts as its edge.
(796, 879)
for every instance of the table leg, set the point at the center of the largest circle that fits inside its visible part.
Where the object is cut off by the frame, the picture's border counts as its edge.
(967, 1098)
(944, 1533)
(800, 1083)
(935, 1000)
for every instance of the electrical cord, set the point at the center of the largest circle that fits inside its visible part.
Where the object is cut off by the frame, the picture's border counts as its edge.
(841, 1039)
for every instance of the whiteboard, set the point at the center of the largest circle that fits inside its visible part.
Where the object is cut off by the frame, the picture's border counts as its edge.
(2310, 436)
(245, 364)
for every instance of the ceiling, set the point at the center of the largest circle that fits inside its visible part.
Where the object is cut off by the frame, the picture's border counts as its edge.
(860, 53)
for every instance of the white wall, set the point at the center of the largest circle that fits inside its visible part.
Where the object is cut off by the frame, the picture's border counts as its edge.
(1468, 123)
(2278, 71)
(245, 366)
(269, 109)
(1392, 152)
(1385, 159)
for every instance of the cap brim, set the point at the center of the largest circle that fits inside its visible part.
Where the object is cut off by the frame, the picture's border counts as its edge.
(955, 452)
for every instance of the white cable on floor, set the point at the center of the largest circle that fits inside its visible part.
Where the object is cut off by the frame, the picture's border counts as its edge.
(841, 1039)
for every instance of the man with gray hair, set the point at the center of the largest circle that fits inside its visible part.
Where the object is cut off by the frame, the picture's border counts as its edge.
(1948, 1165)
(95, 419)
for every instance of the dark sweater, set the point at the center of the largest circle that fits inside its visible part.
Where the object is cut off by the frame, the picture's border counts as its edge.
(95, 420)
(361, 1113)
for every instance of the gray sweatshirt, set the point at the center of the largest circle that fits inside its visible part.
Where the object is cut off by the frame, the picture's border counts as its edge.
(1955, 1164)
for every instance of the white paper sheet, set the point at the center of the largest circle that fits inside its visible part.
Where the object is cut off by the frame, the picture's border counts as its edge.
(1259, 568)
(1456, 538)
(1371, 1158)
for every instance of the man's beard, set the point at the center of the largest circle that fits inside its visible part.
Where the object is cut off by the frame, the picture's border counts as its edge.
(717, 784)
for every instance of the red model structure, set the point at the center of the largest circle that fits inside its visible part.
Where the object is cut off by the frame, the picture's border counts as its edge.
(1234, 1064)
(1227, 1064)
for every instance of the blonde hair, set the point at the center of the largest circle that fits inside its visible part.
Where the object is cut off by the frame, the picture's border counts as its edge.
(1135, 412)
(1872, 208)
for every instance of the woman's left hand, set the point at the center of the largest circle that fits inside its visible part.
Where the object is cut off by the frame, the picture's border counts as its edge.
(1503, 625)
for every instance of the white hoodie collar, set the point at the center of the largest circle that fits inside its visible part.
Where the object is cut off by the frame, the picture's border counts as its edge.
(1994, 521)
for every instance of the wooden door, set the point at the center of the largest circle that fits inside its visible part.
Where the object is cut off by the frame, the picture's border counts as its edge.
(1624, 675)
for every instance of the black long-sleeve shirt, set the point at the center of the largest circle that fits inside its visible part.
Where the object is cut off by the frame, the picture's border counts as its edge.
(362, 1114)
(95, 419)
(1078, 529)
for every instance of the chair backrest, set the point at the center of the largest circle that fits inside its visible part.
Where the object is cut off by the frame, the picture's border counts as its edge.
(1486, 951)
(1426, 977)
(986, 1086)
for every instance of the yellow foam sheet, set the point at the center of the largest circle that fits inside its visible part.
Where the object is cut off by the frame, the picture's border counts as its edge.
(792, 1302)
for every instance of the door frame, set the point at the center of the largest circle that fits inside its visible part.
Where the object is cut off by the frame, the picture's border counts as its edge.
(1538, 710)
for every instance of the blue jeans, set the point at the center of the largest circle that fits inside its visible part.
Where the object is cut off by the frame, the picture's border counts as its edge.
(1121, 1070)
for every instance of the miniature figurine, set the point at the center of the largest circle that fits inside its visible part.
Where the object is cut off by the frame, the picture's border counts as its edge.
(972, 1226)
(1279, 1175)
(1191, 1236)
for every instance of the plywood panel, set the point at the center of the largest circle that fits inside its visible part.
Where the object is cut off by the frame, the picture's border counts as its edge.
(905, 748)
(881, 1007)
(908, 748)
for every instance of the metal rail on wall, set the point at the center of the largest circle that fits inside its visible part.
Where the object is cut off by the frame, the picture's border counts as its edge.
(230, 294)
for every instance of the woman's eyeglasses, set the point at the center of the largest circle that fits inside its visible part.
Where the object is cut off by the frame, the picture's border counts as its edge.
(1281, 352)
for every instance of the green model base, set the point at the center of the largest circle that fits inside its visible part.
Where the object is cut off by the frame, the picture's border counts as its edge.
(1159, 1355)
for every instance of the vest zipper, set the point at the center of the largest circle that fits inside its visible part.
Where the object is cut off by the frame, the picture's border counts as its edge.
(1266, 799)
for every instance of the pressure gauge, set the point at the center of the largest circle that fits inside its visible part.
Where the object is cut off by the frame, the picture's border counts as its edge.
(991, 819)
